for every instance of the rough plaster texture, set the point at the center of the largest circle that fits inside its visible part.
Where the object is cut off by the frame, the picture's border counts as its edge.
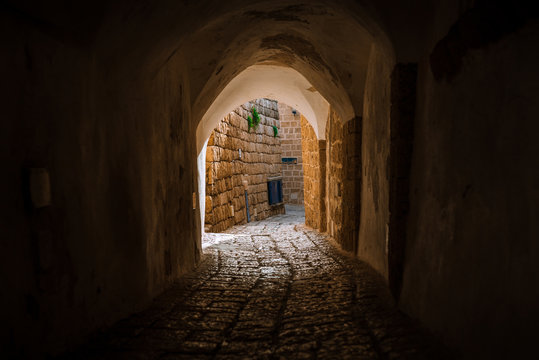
(403, 106)
(351, 183)
(291, 138)
(226, 170)
(372, 242)
(472, 246)
(121, 174)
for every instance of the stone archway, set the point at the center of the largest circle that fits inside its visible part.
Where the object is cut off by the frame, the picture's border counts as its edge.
(261, 81)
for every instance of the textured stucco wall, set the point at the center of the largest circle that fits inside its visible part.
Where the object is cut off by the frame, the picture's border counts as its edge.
(351, 182)
(121, 225)
(291, 139)
(225, 170)
(471, 269)
(374, 221)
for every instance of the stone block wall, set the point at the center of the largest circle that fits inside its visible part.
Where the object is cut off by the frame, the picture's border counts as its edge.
(290, 134)
(334, 178)
(343, 202)
(314, 166)
(226, 169)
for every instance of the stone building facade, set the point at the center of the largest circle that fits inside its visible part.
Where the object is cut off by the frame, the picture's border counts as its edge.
(290, 136)
(239, 159)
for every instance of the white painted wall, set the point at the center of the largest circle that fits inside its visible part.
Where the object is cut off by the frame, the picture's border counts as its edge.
(201, 165)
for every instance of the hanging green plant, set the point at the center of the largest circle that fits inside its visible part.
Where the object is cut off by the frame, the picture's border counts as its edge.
(256, 117)
(254, 120)
(275, 131)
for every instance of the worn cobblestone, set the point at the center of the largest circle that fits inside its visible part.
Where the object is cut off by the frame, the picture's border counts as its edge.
(273, 289)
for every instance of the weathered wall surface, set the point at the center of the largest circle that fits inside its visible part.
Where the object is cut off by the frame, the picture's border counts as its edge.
(374, 221)
(290, 135)
(225, 170)
(334, 175)
(471, 269)
(351, 183)
(343, 180)
(120, 225)
(314, 176)
(403, 107)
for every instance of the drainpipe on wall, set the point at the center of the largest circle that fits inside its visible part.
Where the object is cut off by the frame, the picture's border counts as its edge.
(245, 185)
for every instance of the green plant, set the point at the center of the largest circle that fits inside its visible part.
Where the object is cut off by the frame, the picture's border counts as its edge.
(256, 117)
(275, 131)
(255, 120)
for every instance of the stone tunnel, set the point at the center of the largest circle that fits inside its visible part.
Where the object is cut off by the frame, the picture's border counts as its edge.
(419, 234)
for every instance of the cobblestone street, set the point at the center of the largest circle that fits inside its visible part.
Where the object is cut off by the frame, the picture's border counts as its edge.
(272, 289)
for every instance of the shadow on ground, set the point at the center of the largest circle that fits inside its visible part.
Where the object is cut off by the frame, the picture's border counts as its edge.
(266, 290)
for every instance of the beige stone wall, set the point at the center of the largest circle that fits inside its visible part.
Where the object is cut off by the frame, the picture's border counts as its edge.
(290, 134)
(334, 166)
(343, 180)
(314, 164)
(226, 170)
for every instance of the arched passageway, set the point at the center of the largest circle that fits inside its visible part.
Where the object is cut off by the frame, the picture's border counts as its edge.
(254, 167)
(427, 119)
(280, 83)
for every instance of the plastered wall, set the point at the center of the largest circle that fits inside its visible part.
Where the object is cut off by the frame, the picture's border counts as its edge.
(471, 270)
(120, 225)
(375, 142)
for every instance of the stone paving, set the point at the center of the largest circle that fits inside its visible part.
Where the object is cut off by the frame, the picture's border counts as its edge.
(273, 289)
